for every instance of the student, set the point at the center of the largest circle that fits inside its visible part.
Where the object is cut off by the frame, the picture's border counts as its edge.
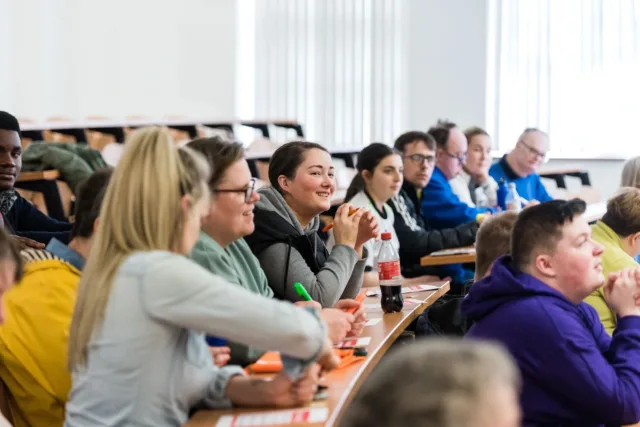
(474, 177)
(33, 341)
(10, 273)
(136, 348)
(522, 163)
(31, 227)
(619, 233)
(440, 205)
(493, 241)
(417, 238)
(439, 383)
(574, 373)
(222, 250)
(286, 239)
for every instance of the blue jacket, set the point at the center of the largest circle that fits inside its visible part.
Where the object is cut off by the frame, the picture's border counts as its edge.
(529, 187)
(442, 208)
(574, 373)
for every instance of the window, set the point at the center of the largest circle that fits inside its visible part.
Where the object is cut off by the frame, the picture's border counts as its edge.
(569, 67)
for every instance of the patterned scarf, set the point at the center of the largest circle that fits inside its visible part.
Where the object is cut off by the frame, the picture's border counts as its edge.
(7, 199)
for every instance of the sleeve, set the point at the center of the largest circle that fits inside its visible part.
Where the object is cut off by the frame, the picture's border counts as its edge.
(355, 281)
(606, 316)
(461, 189)
(603, 389)
(180, 292)
(45, 236)
(326, 287)
(215, 397)
(541, 191)
(444, 209)
(31, 219)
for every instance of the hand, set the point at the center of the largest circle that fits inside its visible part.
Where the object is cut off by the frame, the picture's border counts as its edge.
(360, 316)
(368, 228)
(25, 243)
(312, 304)
(533, 202)
(621, 292)
(345, 227)
(338, 323)
(221, 355)
(480, 218)
(286, 392)
(328, 359)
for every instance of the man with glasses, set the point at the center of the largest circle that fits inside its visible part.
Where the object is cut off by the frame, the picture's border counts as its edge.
(440, 205)
(522, 163)
(416, 238)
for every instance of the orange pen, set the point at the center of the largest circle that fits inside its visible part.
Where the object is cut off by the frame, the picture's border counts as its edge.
(359, 299)
(330, 226)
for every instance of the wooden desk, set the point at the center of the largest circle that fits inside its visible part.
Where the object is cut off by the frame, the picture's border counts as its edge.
(344, 384)
(558, 174)
(44, 182)
(448, 259)
(48, 175)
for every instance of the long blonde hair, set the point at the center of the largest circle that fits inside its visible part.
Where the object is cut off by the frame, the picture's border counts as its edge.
(631, 173)
(141, 211)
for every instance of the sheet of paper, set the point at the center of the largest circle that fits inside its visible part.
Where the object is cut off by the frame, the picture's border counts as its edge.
(372, 322)
(407, 289)
(354, 342)
(271, 418)
(457, 251)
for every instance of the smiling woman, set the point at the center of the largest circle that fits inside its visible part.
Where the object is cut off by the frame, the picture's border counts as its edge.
(286, 238)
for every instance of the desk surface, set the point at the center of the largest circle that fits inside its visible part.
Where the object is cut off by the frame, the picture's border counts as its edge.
(344, 383)
(47, 175)
(449, 259)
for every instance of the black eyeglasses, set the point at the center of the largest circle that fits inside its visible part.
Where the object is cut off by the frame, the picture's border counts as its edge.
(533, 151)
(461, 159)
(248, 191)
(419, 159)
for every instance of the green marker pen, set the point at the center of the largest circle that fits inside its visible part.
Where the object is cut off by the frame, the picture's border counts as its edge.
(302, 291)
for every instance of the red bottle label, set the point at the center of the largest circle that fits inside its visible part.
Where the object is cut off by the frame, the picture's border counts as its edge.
(389, 270)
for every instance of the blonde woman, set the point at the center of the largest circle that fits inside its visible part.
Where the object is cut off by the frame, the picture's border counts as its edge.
(136, 346)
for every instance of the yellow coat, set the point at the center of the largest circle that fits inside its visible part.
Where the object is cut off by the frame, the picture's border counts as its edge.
(33, 341)
(614, 259)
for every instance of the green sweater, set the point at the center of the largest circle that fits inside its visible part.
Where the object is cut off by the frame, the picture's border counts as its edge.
(236, 264)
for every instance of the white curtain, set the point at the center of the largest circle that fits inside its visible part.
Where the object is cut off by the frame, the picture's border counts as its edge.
(335, 66)
(570, 67)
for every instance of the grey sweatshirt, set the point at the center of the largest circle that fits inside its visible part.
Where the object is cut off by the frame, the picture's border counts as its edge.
(341, 275)
(148, 363)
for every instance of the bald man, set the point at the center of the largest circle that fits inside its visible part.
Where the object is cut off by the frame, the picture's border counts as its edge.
(521, 165)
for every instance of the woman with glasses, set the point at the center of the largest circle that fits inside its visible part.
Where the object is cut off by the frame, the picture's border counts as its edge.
(473, 185)
(222, 250)
(521, 165)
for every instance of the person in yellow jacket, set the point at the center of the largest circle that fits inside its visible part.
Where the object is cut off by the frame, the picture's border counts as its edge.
(619, 232)
(38, 311)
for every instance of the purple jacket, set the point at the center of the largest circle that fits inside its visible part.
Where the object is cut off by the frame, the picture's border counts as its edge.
(574, 374)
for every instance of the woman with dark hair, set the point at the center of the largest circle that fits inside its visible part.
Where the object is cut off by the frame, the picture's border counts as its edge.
(286, 239)
(379, 178)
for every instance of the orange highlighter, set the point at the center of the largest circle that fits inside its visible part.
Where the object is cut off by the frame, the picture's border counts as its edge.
(358, 299)
(330, 226)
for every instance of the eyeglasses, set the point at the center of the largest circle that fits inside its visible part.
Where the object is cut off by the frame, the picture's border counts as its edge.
(248, 192)
(419, 159)
(533, 151)
(461, 159)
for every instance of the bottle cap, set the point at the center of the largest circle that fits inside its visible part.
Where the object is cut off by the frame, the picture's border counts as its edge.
(386, 236)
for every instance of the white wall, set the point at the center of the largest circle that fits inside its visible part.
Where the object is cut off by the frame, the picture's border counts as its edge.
(116, 58)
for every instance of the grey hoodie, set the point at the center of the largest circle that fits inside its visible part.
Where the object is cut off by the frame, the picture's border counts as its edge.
(338, 276)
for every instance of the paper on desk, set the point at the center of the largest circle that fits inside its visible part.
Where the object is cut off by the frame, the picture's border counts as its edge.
(408, 289)
(354, 342)
(456, 251)
(372, 322)
(272, 418)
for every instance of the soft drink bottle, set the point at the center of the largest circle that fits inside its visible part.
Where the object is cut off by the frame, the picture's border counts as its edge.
(390, 277)
(502, 194)
(512, 200)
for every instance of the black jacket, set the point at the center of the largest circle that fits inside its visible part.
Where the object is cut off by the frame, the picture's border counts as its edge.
(416, 238)
(24, 219)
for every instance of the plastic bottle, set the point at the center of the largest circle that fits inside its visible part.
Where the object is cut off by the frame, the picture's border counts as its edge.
(512, 201)
(390, 277)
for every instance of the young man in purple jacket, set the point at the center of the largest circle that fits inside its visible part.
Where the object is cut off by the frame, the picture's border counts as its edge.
(574, 373)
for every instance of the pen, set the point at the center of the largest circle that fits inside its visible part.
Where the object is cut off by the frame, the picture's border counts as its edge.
(359, 299)
(301, 291)
(330, 226)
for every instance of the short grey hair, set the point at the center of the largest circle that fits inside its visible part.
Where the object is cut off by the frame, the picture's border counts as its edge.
(433, 383)
(631, 173)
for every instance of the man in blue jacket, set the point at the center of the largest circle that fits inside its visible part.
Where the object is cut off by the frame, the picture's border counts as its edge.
(574, 373)
(30, 227)
(522, 163)
(440, 206)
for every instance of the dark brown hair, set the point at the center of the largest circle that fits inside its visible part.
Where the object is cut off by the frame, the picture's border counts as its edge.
(414, 136)
(493, 240)
(623, 212)
(541, 227)
(9, 251)
(89, 202)
(440, 132)
(287, 158)
(475, 131)
(220, 154)
(368, 159)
